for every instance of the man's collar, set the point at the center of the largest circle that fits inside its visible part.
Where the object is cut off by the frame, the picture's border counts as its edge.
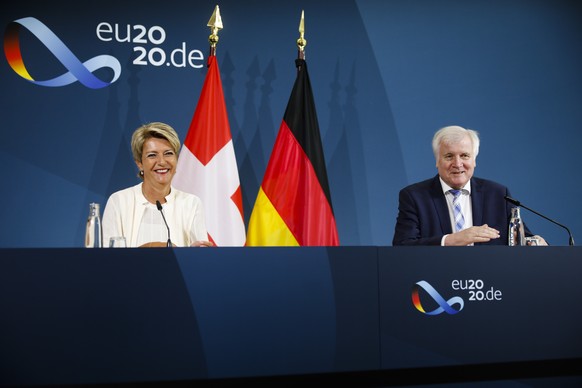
(446, 187)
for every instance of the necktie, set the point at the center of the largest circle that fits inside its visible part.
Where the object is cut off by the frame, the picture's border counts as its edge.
(459, 219)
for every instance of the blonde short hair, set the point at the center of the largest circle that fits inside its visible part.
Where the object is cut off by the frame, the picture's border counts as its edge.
(147, 131)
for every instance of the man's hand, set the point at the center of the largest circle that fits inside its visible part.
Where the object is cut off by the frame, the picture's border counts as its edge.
(474, 234)
(541, 241)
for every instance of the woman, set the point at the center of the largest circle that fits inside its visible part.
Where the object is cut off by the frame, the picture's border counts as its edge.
(140, 213)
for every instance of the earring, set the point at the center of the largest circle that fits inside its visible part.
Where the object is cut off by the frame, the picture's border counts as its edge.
(141, 172)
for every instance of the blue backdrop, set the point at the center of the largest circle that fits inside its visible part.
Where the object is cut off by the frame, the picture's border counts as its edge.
(385, 75)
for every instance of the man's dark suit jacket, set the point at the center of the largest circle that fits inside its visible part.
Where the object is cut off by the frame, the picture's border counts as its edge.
(423, 214)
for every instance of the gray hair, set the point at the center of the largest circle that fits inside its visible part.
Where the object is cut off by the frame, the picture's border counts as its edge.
(454, 134)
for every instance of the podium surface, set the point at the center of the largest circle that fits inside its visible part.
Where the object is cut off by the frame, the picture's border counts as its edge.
(99, 316)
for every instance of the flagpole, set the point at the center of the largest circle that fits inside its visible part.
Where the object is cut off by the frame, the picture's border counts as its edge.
(215, 24)
(296, 169)
(207, 164)
(301, 42)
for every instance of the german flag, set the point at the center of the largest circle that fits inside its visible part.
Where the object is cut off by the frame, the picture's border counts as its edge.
(293, 206)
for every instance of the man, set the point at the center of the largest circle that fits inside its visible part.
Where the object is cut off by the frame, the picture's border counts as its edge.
(426, 210)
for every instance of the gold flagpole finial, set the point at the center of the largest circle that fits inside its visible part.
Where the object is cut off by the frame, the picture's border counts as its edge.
(301, 42)
(215, 24)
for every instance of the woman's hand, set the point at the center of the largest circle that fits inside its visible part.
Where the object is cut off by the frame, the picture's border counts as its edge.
(160, 244)
(202, 244)
(155, 244)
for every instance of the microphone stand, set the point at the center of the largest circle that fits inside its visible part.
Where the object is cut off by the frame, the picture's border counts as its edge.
(159, 206)
(517, 203)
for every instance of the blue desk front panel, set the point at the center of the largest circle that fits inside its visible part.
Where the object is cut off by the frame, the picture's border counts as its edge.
(87, 316)
(518, 304)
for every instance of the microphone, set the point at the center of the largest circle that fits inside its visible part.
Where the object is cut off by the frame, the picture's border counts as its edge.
(517, 203)
(159, 205)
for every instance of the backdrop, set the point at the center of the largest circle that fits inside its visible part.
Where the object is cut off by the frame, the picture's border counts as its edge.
(385, 74)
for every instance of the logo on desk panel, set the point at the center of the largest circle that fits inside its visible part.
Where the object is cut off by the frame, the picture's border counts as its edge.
(452, 306)
(476, 291)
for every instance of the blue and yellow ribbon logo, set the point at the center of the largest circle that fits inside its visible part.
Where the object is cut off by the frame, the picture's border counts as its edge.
(77, 70)
(444, 305)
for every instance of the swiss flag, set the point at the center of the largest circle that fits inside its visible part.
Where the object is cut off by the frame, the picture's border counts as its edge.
(207, 165)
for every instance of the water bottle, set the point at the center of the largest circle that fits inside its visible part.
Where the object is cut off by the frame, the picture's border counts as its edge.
(94, 231)
(516, 233)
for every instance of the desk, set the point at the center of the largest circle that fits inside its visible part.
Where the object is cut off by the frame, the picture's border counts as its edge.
(97, 316)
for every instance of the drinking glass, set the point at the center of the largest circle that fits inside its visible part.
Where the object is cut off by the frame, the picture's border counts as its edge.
(117, 242)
